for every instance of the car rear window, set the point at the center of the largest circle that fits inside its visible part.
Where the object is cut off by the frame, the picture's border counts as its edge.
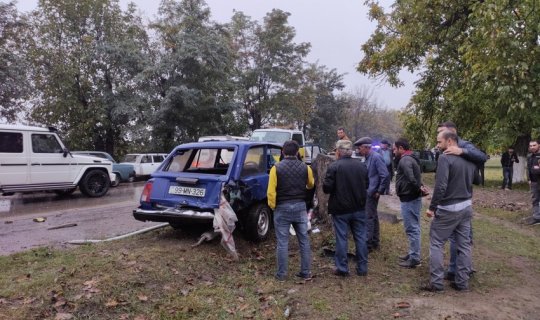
(203, 160)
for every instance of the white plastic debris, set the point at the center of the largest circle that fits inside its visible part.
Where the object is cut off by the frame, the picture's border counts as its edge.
(224, 223)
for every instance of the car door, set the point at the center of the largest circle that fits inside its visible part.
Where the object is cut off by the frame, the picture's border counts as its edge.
(147, 166)
(14, 166)
(254, 172)
(48, 163)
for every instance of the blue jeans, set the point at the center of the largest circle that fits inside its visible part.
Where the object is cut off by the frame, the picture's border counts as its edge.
(356, 221)
(285, 215)
(508, 175)
(410, 211)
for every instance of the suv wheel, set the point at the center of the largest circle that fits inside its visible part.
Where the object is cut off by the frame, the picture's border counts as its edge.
(95, 183)
(258, 222)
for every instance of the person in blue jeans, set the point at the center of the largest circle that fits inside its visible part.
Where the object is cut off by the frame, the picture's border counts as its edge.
(408, 184)
(288, 183)
(346, 181)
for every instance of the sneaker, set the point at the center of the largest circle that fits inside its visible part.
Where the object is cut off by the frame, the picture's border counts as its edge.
(341, 273)
(304, 277)
(404, 257)
(409, 263)
(450, 276)
(431, 288)
(454, 286)
(533, 222)
(280, 278)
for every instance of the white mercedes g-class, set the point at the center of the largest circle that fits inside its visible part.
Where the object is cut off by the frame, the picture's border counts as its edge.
(35, 159)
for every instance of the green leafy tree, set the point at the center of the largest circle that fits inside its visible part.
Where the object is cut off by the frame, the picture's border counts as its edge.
(14, 84)
(86, 59)
(269, 65)
(192, 76)
(479, 63)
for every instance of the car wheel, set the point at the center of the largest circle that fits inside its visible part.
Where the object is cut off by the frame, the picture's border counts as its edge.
(116, 181)
(95, 183)
(258, 222)
(65, 192)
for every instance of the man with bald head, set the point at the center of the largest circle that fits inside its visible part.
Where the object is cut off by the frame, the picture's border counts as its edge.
(451, 208)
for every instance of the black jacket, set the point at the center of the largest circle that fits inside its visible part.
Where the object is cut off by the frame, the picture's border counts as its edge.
(346, 181)
(506, 159)
(532, 160)
(408, 178)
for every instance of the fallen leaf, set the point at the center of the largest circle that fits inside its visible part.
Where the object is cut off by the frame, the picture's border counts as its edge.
(111, 303)
(397, 315)
(142, 297)
(243, 307)
(184, 292)
(40, 219)
(63, 316)
(403, 304)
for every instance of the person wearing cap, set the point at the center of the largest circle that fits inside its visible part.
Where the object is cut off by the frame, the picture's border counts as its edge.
(288, 183)
(346, 181)
(386, 152)
(378, 176)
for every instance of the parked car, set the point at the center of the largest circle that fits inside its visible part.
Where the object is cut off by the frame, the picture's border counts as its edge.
(427, 160)
(277, 135)
(35, 159)
(312, 151)
(123, 172)
(186, 189)
(144, 163)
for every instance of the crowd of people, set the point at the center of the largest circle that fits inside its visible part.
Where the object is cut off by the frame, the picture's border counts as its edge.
(355, 187)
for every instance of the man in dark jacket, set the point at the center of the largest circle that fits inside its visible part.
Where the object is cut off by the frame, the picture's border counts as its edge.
(507, 161)
(378, 176)
(346, 182)
(533, 168)
(408, 183)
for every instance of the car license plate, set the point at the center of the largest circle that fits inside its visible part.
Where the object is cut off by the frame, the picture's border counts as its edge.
(187, 191)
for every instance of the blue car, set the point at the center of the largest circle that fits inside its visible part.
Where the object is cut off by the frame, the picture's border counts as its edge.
(187, 187)
(123, 172)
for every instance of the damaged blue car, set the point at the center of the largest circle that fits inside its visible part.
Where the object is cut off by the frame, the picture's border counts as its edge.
(187, 187)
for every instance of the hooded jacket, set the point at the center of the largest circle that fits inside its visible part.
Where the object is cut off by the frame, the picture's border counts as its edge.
(408, 178)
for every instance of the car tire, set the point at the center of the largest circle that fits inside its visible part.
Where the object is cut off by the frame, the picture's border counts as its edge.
(65, 192)
(95, 183)
(116, 181)
(258, 222)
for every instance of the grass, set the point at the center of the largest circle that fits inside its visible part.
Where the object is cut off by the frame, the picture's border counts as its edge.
(159, 276)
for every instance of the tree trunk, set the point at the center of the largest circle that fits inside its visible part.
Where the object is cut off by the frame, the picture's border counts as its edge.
(319, 166)
(521, 146)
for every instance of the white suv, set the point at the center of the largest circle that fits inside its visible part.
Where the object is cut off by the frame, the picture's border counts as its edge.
(35, 159)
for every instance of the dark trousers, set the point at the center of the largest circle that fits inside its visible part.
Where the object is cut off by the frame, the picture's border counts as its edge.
(373, 236)
(391, 175)
(508, 175)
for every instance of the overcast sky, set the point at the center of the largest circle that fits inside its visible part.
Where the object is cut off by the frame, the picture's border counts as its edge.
(336, 29)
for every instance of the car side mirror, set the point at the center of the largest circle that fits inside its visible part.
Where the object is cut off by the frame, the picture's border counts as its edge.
(66, 152)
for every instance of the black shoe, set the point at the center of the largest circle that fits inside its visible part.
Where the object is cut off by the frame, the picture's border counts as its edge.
(341, 273)
(280, 278)
(361, 274)
(450, 276)
(304, 277)
(409, 263)
(431, 288)
(534, 222)
(404, 257)
(454, 286)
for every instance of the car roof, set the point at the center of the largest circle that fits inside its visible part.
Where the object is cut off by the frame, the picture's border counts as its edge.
(277, 130)
(228, 143)
(19, 127)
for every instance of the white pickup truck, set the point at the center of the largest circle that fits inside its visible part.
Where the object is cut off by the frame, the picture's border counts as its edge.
(35, 159)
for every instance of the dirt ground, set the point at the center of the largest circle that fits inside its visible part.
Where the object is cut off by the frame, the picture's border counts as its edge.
(507, 302)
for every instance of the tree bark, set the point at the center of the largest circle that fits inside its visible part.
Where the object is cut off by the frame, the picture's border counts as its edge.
(319, 166)
(521, 146)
